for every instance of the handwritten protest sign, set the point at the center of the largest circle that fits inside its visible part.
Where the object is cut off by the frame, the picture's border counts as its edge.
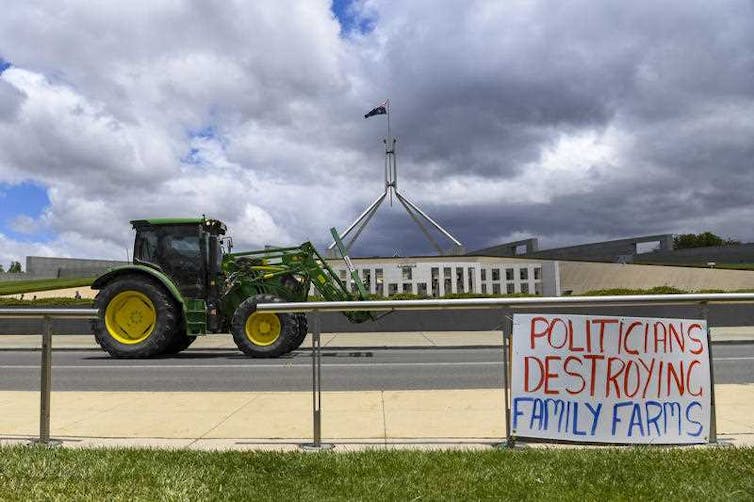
(610, 379)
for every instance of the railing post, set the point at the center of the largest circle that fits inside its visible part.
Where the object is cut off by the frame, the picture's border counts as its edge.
(510, 440)
(45, 386)
(316, 444)
(704, 310)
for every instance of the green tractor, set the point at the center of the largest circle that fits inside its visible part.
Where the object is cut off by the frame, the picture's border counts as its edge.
(185, 282)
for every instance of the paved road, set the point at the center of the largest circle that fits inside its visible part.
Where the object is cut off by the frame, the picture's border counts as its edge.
(371, 369)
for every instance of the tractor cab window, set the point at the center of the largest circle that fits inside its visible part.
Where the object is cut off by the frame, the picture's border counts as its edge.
(177, 250)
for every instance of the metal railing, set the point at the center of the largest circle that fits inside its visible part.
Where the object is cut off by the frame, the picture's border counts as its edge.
(506, 305)
(45, 386)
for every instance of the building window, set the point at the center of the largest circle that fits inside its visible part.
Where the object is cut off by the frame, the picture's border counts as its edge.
(408, 287)
(524, 273)
(484, 289)
(406, 273)
(537, 273)
(447, 286)
(379, 287)
(525, 287)
(484, 274)
(392, 288)
(421, 288)
(508, 274)
(471, 279)
(459, 279)
(367, 275)
(510, 288)
(446, 272)
(495, 289)
(538, 288)
(495, 274)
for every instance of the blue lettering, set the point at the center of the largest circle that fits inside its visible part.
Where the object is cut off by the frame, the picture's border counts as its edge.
(537, 414)
(576, 430)
(616, 418)
(694, 404)
(675, 411)
(595, 415)
(516, 412)
(635, 421)
(653, 418)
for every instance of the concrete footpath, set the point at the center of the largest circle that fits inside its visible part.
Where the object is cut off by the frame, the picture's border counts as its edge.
(283, 420)
(473, 418)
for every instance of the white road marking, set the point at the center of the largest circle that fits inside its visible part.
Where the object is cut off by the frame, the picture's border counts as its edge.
(249, 366)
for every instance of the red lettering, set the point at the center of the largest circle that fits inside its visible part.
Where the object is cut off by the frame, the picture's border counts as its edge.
(612, 376)
(699, 346)
(527, 374)
(692, 365)
(603, 323)
(593, 358)
(555, 322)
(588, 335)
(648, 380)
(538, 334)
(678, 337)
(627, 379)
(660, 339)
(566, 364)
(571, 336)
(549, 375)
(626, 336)
(676, 375)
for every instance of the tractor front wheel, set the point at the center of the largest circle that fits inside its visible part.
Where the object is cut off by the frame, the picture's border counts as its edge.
(262, 334)
(136, 318)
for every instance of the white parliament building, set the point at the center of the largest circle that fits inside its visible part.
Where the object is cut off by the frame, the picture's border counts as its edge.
(443, 275)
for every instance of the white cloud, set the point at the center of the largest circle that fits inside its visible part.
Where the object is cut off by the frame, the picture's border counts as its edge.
(501, 107)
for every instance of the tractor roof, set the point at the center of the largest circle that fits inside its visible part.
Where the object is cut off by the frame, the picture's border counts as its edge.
(213, 226)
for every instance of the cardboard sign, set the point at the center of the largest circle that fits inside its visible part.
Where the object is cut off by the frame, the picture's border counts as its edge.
(610, 379)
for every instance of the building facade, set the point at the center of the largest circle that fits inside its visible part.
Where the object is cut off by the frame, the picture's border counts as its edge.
(440, 276)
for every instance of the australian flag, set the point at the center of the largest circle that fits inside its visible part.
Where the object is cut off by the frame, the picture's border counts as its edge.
(378, 110)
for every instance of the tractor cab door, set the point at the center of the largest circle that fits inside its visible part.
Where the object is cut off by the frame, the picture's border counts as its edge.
(178, 250)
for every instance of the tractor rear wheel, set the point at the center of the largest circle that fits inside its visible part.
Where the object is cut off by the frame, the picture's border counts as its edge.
(262, 334)
(136, 317)
(303, 329)
(179, 342)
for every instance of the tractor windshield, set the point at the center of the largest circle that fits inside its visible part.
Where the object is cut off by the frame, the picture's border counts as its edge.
(177, 250)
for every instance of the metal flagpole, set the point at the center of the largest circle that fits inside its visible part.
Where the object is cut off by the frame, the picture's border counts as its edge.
(391, 188)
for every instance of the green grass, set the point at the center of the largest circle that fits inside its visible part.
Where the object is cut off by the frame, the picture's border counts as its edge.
(46, 302)
(14, 287)
(533, 474)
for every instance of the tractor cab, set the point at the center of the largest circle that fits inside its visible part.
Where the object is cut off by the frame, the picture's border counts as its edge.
(188, 250)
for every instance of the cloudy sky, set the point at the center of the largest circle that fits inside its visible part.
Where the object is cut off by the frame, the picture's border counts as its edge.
(566, 120)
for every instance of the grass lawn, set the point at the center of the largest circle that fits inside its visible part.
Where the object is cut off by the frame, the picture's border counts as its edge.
(533, 474)
(14, 287)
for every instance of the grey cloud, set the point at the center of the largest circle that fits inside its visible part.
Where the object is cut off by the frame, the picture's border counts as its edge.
(482, 93)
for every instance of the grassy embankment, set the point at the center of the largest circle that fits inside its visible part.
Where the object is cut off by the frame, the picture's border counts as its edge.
(538, 474)
(17, 287)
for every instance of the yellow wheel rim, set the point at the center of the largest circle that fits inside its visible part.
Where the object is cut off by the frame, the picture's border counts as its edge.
(263, 328)
(130, 317)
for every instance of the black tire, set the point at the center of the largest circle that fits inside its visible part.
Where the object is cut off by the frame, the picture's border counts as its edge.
(158, 332)
(303, 329)
(276, 347)
(179, 342)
